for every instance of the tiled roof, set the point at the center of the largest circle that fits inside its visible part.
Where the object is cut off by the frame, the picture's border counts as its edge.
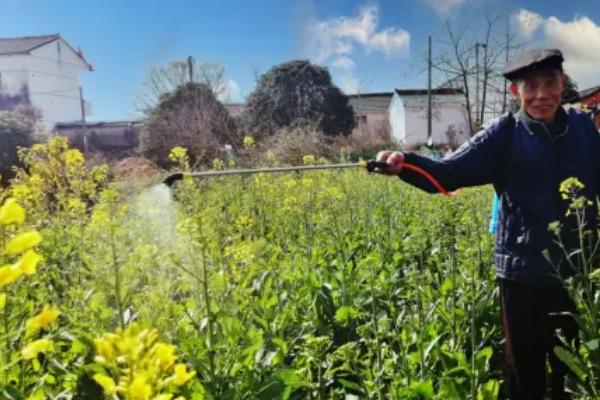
(370, 102)
(24, 44)
(588, 92)
(423, 92)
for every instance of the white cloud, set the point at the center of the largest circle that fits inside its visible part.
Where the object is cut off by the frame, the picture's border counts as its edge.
(579, 41)
(342, 63)
(231, 92)
(335, 41)
(527, 22)
(338, 37)
(445, 7)
(391, 41)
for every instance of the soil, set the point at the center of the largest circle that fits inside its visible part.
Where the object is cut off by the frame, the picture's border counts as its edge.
(135, 169)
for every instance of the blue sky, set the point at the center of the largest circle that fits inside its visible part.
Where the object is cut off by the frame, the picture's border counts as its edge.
(368, 45)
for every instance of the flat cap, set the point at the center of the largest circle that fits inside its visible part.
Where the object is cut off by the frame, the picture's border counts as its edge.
(533, 59)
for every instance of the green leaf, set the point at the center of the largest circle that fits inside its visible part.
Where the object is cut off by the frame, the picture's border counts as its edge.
(451, 390)
(489, 391)
(345, 315)
(592, 345)
(572, 361)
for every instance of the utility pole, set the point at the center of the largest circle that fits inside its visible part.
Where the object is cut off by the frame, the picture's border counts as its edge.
(477, 84)
(485, 80)
(504, 97)
(190, 61)
(83, 122)
(429, 114)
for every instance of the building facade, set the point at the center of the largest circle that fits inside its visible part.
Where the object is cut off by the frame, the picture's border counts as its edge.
(409, 118)
(42, 72)
(371, 113)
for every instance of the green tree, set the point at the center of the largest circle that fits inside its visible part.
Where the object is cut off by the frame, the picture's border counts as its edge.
(297, 93)
(16, 131)
(192, 117)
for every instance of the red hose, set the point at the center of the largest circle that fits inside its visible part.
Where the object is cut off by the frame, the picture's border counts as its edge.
(428, 176)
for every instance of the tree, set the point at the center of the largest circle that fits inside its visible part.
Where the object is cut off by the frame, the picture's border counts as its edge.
(297, 93)
(473, 61)
(165, 79)
(16, 130)
(570, 93)
(191, 117)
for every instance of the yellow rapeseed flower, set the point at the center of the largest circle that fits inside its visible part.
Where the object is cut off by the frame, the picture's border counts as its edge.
(309, 159)
(74, 158)
(43, 319)
(165, 354)
(249, 142)
(139, 389)
(181, 374)
(34, 348)
(23, 242)
(106, 351)
(107, 383)
(177, 153)
(11, 213)
(9, 274)
(166, 396)
(28, 263)
(2, 301)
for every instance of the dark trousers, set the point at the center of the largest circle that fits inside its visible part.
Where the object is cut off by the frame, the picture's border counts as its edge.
(529, 332)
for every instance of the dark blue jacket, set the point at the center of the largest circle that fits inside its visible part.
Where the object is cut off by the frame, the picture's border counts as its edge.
(526, 168)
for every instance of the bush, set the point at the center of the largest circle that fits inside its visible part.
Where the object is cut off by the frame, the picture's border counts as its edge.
(191, 117)
(297, 94)
(16, 131)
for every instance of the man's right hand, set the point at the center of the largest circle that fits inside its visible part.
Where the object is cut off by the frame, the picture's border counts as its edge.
(394, 160)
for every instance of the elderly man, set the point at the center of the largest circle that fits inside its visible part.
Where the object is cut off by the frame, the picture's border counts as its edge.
(526, 157)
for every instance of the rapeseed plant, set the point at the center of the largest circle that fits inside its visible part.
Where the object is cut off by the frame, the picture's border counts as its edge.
(135, 365)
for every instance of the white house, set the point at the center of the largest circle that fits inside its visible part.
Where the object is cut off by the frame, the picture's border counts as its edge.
(408, 118)
(42, 71)
(371, 111)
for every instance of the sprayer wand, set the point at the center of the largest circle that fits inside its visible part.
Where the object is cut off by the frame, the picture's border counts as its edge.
(371, 166)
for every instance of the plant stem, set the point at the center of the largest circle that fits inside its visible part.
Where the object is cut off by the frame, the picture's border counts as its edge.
(117, 276)
(209, 314)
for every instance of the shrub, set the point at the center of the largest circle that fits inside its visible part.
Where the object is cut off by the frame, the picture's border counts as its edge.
(191, 117)
(297, 94)
(16, 131)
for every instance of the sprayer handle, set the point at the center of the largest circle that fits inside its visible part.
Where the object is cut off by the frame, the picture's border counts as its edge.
(373, 165)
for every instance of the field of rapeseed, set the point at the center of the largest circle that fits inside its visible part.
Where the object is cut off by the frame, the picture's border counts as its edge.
(320, 285)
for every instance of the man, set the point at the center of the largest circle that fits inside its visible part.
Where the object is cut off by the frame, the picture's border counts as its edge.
(526, 157)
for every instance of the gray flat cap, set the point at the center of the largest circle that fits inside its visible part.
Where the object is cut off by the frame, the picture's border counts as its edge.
(533, 59)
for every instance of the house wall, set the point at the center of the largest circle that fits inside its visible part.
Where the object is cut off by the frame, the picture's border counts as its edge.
(593, 100)
(408, 120)
(372, 123)
(51, 75)
(54, 82)
(14, 81)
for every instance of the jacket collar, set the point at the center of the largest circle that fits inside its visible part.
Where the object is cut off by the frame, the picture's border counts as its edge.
(555, 129)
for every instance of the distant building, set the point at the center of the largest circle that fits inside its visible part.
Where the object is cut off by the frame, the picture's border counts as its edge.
(43, 72)
(235, 110)
(371, 112)
(591, 99)
(113, 139)
(408, 118)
